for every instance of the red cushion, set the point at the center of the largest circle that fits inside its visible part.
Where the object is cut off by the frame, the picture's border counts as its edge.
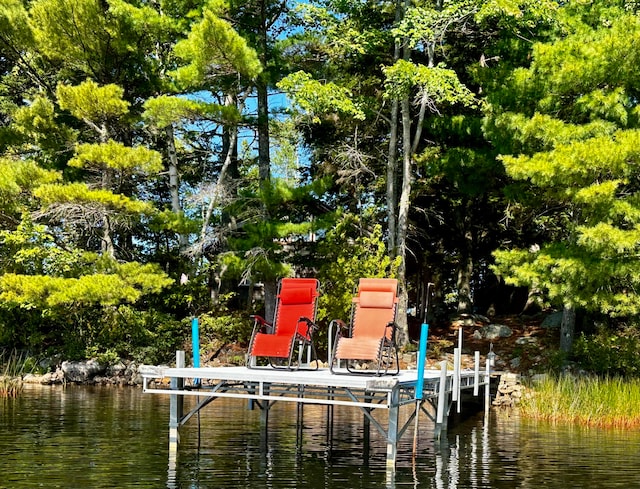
(296, 295)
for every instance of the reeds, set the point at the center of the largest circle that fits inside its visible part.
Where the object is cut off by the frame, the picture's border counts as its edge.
(12, 366)
(589, 401)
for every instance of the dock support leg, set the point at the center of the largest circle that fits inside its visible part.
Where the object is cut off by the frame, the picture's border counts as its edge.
(441, 413)
(176, 406)
(392, 431)
(265, 406)
(300, 419)
(330, 407)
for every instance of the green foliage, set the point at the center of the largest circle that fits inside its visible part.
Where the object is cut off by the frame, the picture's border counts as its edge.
(31, 250)
(80, 193)
(578, 148)
(224, 325)
(38, 125)
(17, 179)
(166, 110)
(350, 253)
(214, 48)
(318, 100)
(117, 156)
(440, 85)
(91, 102)
(108, 285)
(608, 352)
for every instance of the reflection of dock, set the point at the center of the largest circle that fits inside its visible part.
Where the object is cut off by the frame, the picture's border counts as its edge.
(263, 387)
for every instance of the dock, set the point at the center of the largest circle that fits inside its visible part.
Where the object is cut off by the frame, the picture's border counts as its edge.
(262, 387)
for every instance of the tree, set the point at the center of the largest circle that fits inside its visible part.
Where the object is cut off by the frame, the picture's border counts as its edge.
(573, 133)
(438, 174)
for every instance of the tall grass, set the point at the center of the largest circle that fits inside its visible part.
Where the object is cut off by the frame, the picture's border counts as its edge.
(11, 369)
(590, 401)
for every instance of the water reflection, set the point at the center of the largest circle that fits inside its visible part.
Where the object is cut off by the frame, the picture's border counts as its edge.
(82, 437)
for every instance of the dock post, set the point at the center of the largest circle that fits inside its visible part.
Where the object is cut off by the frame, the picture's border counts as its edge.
(455, 389)
(366, 431)
(176, 405)
(487, 388)
(476, 373)
(392, 431)
(443, 395)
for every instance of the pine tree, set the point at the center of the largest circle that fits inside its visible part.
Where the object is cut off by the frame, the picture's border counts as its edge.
(568, 127)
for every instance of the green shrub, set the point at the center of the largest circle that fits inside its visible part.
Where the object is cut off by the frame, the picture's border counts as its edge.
(609, 352)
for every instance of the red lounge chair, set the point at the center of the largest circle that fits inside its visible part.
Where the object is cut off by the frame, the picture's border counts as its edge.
(292, 330)
(371, 336)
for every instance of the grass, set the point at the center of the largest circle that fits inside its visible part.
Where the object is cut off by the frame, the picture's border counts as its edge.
(11, 369)
(589, 401)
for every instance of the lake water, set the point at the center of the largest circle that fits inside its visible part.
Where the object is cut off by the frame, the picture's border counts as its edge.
(106, 437)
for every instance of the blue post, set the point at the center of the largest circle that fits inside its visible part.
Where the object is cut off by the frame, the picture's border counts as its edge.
(195, 341)
(422, 356)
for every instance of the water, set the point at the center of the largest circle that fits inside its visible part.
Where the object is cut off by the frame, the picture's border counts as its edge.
(106, 437)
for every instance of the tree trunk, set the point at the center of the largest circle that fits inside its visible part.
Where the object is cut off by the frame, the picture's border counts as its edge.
(403, 205)
(392, 157)
(270, 291)
(174, 180)
(403, 222)
(567, 328)
(465, 272)
(264, 161)
(229, 143)
(465, 263)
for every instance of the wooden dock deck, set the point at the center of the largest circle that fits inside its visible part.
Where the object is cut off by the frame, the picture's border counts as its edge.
(265, 386)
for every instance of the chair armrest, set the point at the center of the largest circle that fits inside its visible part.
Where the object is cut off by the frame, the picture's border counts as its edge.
(342, 326)
(311, 326)
(261, 324)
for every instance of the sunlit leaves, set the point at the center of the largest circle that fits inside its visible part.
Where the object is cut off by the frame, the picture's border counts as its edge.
(166, 110)
(440, 85)
(15, 30)
(91, 102)
(214, 48)
(78, 193)
(18, 178)
(580, 150)
(126, 283)
(580, 163)
(319, 99)
(117, 156)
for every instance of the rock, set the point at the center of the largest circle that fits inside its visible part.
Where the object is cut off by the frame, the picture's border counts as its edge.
(82, 372)
(494, 331)
(527, 340)
(117, 369)
(510, 391)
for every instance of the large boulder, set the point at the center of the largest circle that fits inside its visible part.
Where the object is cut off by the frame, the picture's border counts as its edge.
(81, 372)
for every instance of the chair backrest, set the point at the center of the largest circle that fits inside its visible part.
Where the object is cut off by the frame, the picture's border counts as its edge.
(374, 307)
(297, 297)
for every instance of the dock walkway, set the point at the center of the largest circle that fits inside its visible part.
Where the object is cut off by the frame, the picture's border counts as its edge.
(265, 386)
